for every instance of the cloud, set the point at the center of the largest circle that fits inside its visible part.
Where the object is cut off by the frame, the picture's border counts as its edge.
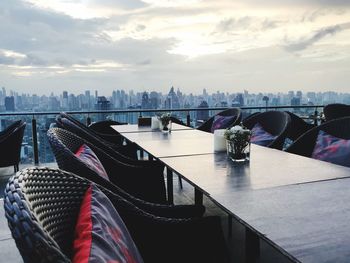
(245, 23)
(124, 4)
(316, 36)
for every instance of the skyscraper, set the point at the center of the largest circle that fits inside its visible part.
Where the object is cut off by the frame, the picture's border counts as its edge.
(10, 103)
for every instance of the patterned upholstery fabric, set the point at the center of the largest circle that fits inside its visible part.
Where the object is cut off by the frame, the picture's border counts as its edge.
(85, 154)
(260, 136)
(100, 233)
(332, 149)
(221, 122)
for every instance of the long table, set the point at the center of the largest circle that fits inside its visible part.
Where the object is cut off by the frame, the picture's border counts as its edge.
(297, 204)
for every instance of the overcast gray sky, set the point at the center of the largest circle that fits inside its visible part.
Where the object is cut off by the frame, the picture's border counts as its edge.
(260, 46)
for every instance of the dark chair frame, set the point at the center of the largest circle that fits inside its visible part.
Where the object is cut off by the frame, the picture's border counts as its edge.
(206, 126)
(143, 181)
(68, 161)
(274, 122)
(42, 206)
(336, 111)
(297, 126)
(10, 145)
(305, 144)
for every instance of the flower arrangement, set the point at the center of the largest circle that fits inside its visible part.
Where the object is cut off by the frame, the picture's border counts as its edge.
(165, 120)
(238, 142)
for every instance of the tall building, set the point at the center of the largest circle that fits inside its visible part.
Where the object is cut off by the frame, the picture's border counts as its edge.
(172, 100)
(204, 114)
(145, 104)
(102, 104)
(10, 103)
(154, 100)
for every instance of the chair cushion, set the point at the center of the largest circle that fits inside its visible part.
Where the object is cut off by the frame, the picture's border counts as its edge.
(85, 154)
(100, 233)
(221, 122)
(260, 136)
(331, 149)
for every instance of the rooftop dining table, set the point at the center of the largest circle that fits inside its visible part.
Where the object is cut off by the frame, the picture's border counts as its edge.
(298, 205)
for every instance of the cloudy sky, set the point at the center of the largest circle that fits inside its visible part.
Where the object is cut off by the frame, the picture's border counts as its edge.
(227, 45)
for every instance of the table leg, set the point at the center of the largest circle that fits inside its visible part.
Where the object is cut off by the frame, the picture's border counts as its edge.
(229, 218)
(141, 154)
(252, 246)
(169, 174)
(198, 197)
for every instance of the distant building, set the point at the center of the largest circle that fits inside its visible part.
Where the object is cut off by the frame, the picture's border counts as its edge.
(102, 104)
(145, 103)
(203, 114)
(172, 100)
(10, 103)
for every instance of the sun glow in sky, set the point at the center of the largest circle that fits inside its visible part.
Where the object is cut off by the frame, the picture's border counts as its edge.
(267, 46)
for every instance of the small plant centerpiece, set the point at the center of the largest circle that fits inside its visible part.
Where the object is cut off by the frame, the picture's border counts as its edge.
(165, 122)
(238, 143)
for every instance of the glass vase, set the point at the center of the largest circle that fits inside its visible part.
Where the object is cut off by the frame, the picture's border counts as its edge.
(238, 153)
(165, 128)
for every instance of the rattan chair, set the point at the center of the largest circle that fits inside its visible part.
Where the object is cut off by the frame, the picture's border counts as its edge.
(236, 112)
(335, 111)
(67, 161)
(42, 206)
(144, 181)
(113, 138)
(10, 144)
(124, 153)
(305, 144)
(274, 122)
(104, 130)
(297, 126)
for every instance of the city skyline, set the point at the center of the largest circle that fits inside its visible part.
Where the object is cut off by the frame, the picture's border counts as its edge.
(229, 46)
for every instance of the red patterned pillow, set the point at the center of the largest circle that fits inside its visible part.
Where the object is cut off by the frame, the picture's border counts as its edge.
(85, 154)
(100, 233)
(221, 122)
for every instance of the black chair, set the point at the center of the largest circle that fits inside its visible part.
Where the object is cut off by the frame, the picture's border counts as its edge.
(68, 161)
(305, 144)
(236, 112)
(297, 126)
(113, 138)
(10, 144)
(125, 153)
(144, 181)
(274, 122)
(177, 121)
(104, 130)
(42, 206)
(335, 111)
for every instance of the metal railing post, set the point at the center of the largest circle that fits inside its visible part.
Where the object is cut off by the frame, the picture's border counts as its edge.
(88, 120)
(315, 116)
(188, 119)
(35, 141)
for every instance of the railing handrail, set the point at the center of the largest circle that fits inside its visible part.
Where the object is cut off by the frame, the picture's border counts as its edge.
(35, 114)
(27, 113)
